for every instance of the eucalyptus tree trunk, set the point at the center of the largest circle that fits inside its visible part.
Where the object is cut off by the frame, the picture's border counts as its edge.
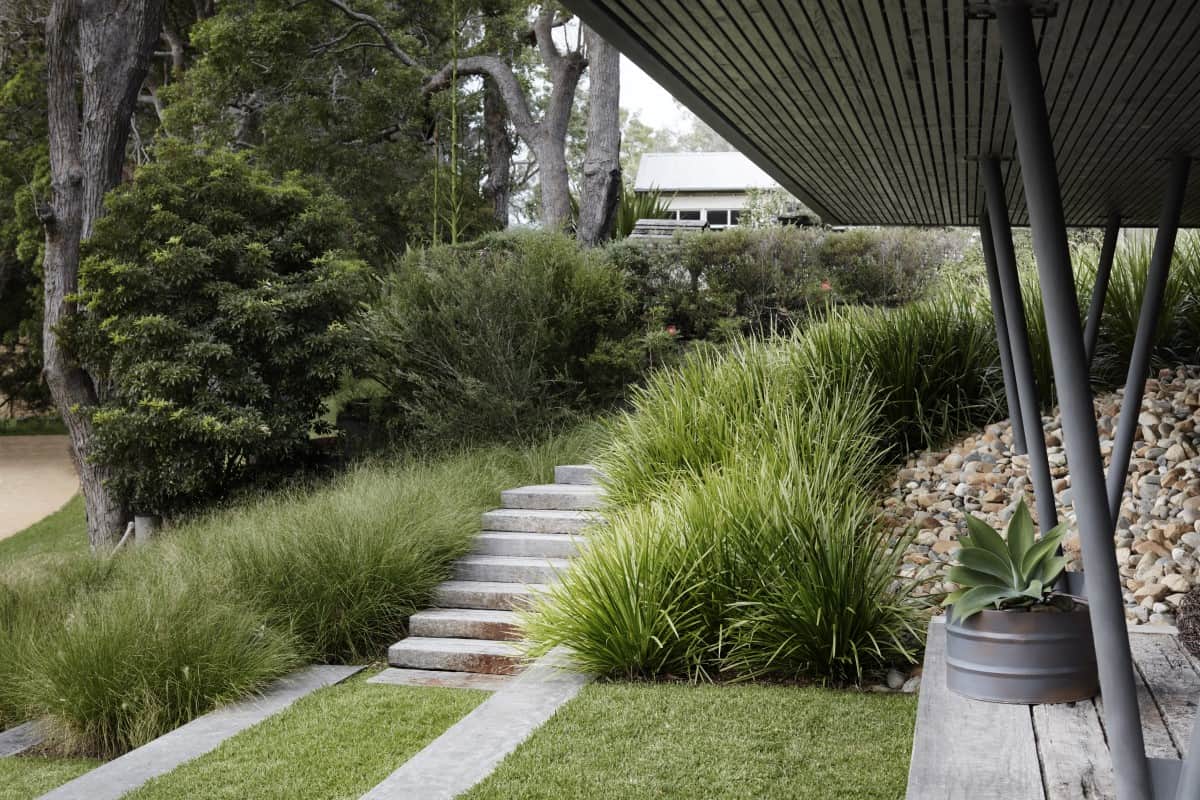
(602, 162)
(498, 144)
(97, 54)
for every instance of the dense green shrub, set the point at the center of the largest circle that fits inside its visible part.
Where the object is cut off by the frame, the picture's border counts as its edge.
(505, 336)
(773, 279)
(216, 301)
(115, 651)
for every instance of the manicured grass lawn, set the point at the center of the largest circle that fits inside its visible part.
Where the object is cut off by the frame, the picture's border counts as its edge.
(632, 741)
(64, 531)
(22, 778)
(336, 743)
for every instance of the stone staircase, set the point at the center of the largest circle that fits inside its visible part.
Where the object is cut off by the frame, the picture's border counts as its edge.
(524, 545)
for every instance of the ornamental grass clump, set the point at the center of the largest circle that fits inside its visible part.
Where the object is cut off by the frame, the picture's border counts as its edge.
(743, 538)
(766, 560)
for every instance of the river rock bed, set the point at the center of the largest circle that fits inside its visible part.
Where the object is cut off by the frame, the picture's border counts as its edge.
(1158, 533)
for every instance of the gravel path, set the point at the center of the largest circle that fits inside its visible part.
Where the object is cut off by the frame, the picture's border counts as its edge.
(36, 479)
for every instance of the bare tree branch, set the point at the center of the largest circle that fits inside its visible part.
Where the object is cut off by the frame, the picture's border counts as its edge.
(506, 83)
(543, 33)
(381, 31)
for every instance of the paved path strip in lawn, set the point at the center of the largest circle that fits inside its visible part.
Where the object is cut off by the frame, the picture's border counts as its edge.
(470, 750)
(19, 739)
(201, 735)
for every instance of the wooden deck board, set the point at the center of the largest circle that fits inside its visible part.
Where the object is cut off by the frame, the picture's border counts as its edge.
(1173, 683)
(963, 748)
(1000, 763)
(1075, 763)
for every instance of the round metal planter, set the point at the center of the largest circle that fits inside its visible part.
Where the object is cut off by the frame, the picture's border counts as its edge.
(1022, 657)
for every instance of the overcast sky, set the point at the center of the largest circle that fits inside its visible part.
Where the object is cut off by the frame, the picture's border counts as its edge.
(652, 103)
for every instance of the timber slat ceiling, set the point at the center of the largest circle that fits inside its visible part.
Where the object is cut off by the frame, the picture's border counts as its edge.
(875, 111)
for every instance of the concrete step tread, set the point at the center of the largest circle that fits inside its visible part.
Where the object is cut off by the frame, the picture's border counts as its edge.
(539, 520)
(553, 496)
(443, 645)
(577, 474)
(525, 543)
(492, 586)
(534, 536)
(456, 655)
(515, 561)
(472, 614)
(544, 513)
(486, 594)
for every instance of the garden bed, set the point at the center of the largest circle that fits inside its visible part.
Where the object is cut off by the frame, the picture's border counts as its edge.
(1158, 534)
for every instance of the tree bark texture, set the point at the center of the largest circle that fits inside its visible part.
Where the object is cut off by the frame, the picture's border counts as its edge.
(97, 54)
(499, 145)
(601, 190)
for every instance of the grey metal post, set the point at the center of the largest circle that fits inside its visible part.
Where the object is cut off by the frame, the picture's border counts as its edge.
(1143, 342)
(1108, 251)
(1000, 318)
(1018, 335)
(1023, 78)
(1188, 787)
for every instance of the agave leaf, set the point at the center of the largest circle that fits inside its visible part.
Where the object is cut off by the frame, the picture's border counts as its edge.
(1035, 589)
(985, 537)
(965, 576)
(1030, 563)
(975, 600)
(954, 596)
(980, 560)
(1020, 537)
(1050, 569)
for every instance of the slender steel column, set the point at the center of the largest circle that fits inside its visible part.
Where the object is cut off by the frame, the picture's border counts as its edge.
(1000, 318)
(1018, 335)
(1108, 251)
(1188, 787)
(1143, 342)
(1023, 77)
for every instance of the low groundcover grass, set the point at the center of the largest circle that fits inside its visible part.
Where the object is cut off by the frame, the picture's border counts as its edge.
(336, 743)
(115, 651)
(678, 742)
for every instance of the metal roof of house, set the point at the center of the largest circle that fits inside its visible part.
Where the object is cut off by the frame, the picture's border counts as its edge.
(872, 112)
(701, 172)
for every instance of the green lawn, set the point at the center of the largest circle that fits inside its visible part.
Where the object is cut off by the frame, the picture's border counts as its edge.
(24, 777)
(64, 531)
(632, 741)
(335, 743)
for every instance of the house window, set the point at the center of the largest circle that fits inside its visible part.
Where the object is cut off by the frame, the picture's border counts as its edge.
(694, 215)
(734, 216)
(718, 218)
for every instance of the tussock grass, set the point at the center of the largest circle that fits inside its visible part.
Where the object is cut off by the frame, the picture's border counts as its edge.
(742, 538)
(113, 652)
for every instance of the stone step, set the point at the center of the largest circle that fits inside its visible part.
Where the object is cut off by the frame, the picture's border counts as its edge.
(554, 497)
(533, 521)
(577, 474)
(455, 655)
(516, 543)
(464, 623)
(509, 569)
(485, 594)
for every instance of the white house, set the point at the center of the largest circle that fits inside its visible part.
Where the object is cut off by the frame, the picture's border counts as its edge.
(712, 187)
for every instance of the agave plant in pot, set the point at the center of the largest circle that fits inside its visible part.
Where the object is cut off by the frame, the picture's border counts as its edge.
(1010, 637)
